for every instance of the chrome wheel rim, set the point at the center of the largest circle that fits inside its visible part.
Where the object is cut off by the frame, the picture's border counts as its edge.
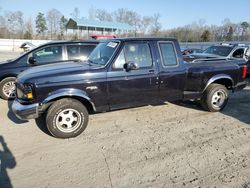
(218, 98)
(9, 89)
(68, 120)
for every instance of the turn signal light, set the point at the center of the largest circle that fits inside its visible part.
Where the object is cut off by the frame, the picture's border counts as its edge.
(29, 95)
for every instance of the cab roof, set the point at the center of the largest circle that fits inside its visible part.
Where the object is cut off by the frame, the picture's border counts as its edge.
(144, 39)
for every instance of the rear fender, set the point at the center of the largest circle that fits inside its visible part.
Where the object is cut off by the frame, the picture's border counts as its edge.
(218, 77)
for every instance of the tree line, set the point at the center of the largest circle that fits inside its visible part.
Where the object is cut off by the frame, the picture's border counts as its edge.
(52, 25)
(201, 32)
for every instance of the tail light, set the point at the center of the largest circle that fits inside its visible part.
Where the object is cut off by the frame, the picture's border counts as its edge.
(244, 72)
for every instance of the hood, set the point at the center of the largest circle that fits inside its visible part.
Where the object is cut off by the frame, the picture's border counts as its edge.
(57, 71)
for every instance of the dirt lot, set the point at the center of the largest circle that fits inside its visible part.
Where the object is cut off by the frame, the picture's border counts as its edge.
(8, 55)
(171, 145)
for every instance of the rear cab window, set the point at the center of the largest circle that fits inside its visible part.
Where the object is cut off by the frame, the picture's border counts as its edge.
(168, 54)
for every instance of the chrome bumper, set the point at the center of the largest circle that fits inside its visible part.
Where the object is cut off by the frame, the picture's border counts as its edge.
(25, 112)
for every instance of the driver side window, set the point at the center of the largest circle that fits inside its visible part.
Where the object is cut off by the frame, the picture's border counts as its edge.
(138, 53)
(120, 61)
(48, 54)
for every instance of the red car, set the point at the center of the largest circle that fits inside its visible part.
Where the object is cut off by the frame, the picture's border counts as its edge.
(98, 37)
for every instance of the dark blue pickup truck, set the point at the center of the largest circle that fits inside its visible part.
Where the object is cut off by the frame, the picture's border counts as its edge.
(122, 73)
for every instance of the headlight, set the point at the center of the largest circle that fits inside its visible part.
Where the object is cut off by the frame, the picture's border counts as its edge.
(25, 92)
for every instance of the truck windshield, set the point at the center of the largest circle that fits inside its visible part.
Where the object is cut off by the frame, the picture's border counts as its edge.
(102, 53)
(219, 50)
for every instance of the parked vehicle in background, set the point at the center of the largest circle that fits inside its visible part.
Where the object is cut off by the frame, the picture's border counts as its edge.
(220, 51)
(247, 56)
(122, 73)
(99, 37)
(52, 52)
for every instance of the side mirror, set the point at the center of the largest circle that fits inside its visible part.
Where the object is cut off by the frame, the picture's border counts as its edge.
(32, 60)
(130, 66)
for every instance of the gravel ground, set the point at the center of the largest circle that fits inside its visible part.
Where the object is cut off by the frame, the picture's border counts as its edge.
(170, 145)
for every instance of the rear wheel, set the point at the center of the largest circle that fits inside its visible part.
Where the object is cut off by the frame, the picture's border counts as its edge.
(214, 98)
(67, 118)
(7, 88)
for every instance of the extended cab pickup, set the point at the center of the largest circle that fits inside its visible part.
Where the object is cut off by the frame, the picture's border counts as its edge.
(122, 73)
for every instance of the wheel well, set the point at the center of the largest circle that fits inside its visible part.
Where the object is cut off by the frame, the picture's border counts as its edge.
(85, 102)
(7, 76)
(225, 82)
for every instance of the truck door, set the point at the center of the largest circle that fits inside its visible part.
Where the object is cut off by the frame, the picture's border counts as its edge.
(172, 73)
(135, 87)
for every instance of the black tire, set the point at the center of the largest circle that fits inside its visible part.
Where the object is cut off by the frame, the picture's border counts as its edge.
(3, 94)
(214, 98)
(59, 125)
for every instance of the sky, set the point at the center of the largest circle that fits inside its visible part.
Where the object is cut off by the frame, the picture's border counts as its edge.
(174, 13)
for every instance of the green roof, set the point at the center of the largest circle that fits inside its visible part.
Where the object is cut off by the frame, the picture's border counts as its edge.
(87, 24)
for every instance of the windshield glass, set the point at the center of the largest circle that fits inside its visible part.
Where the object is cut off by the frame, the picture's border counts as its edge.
(219, 50)
(102, 53)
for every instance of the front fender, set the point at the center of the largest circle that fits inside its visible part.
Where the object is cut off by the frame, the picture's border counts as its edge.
(68, 92)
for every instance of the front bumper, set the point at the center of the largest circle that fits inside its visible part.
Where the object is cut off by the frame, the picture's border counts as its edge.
(240, 86)
(25, 112)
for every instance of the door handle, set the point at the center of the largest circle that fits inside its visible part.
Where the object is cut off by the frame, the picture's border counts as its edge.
(151, 71)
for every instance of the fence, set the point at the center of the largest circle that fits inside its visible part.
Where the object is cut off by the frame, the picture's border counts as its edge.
(12, 45)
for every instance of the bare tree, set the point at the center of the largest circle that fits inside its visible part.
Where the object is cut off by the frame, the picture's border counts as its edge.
(103, 15)
(145, 24)
(76, 13)
(120, 15)
(15, 23)
(53, 17)
(28, 29)
(156, 25)
(92, 13)
(127, 16)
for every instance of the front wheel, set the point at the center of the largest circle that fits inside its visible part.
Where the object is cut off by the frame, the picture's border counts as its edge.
(214, 98)
(7, 88)
(67, 118)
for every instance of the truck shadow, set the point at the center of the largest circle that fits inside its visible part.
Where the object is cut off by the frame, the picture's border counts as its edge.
(12, 116)
(238, 106)
(7, 161)
(41, 124)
